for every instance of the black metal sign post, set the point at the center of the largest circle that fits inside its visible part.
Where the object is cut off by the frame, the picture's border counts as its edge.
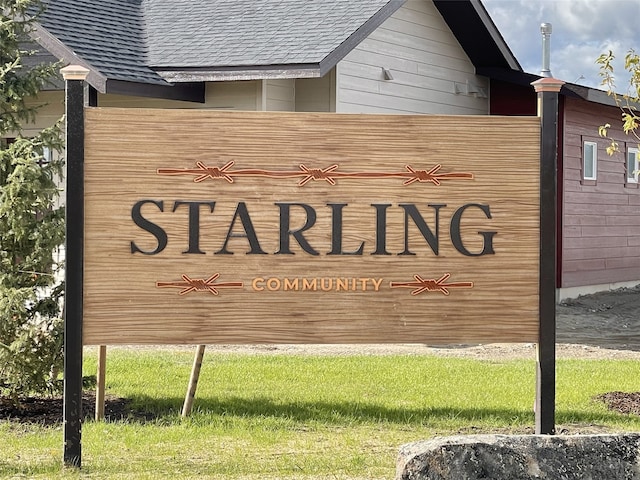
(547, 90)
(74, 77)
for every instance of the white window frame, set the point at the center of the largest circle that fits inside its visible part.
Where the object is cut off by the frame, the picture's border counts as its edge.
(593, 160)
(632, 173)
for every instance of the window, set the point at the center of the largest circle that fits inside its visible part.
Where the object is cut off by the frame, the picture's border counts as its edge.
(589, 160)
(46, 156)
(632, 165)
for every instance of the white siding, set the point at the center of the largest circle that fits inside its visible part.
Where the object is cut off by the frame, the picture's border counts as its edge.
(240, 95)
(51, 110)
(426, 62)
(280, 95)
(316, 94)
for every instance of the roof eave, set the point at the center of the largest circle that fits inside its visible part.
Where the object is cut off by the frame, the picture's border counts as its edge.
(571, 90)
(490, 51)
(253, 72)
(496, 35)
(187, 92)
(595, 95)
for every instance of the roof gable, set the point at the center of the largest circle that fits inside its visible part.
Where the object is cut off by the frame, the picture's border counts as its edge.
(138, 40)
(255, 39)
(162, 45)
(184, 33)
(478, 35)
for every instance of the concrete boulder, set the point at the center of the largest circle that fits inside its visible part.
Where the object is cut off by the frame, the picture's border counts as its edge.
(522, 457)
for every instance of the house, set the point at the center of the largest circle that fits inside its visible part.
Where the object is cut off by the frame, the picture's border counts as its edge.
(365, 56)
(598, 195)
(356, 56)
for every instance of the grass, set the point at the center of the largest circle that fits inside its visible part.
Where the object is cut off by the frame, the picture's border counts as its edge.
(277, 416)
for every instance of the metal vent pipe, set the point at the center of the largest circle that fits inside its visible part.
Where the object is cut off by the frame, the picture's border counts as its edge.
(545, 29)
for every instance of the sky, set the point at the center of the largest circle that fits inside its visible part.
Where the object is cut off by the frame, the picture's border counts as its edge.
(582, 30)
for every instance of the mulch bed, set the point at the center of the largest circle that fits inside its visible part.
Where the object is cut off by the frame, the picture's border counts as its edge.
(48, 411)
(621, 402)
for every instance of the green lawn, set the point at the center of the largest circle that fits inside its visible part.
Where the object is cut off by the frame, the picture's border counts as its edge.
(305, 417)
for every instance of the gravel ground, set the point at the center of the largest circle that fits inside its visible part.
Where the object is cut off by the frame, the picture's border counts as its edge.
(493, 351)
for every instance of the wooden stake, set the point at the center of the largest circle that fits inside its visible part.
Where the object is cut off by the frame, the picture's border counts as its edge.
(100, 382)
(193, 381)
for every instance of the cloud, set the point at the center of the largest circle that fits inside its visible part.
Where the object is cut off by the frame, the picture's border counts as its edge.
(589, 19)
(582, 30)
(576, 60)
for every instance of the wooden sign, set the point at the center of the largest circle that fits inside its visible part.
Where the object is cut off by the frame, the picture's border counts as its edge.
(227, 227)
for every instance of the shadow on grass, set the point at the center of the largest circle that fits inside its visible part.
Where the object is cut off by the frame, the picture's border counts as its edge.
(144, 409)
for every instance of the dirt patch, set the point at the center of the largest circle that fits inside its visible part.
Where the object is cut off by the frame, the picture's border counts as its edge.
(623, 402)
(604, 325)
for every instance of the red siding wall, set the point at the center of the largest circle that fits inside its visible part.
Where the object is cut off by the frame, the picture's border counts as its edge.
(601, 221)
(509, 99)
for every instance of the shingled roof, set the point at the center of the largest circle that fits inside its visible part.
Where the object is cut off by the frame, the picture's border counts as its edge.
(109, 35)
(244, 35)
(169, 48)
(163, 42)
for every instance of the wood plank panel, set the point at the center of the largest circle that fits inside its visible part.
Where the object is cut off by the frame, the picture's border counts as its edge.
(609, 198)
(587, 267)
(417, 8)
(612, 231)
(597, 209)
(600, 277)
(312, 293)
(600, 187)
(623, 262)
(585, 220)
(436, 103)
(600, 253)
(594, 242)
(599, 199)
(624, 219)
(414, 42)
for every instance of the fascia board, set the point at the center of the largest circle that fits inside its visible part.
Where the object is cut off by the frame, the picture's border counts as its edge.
(53, 45)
